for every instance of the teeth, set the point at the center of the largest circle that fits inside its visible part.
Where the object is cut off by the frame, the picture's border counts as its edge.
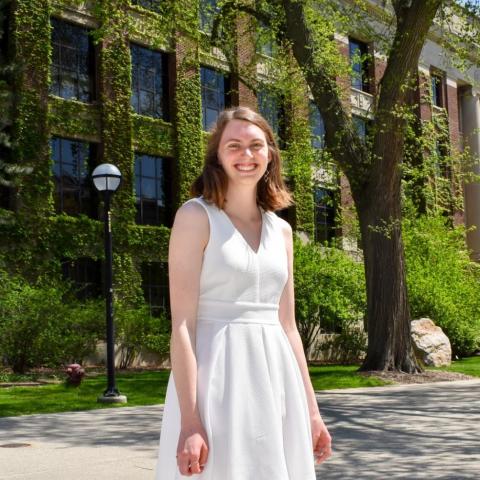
(246, 168)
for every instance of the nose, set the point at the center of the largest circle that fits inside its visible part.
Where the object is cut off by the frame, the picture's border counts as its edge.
(248, 152)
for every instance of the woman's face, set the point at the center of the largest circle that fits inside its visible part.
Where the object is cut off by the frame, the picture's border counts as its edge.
(243, 152)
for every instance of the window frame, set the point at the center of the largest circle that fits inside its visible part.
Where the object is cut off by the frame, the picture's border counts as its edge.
(147, 274)
(317, 141)
(162, 214)
(277, 126)
(164, 94)
(56, 86)
(328, 212)
(205, 20)
(78, 270)
(361, 80)
(205, 88)
(437, 88)
(89, 208)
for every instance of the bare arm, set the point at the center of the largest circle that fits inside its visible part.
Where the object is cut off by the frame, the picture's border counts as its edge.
(189, 236)
(320, 437)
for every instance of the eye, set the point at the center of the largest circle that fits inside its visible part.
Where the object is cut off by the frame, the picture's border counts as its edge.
(257, 145)
(233, 146)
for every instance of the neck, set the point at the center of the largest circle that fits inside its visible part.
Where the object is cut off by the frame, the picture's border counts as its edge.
(242, 203)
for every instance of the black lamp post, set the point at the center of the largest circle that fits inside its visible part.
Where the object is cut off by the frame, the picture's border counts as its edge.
(106, 178)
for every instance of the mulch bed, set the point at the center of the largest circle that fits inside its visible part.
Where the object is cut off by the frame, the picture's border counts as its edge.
(426, 377)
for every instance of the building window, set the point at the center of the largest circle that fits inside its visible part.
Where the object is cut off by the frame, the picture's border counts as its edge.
(5, 14)
(72, 164)
(149, 82)
(358, 52)
(215, 95)
(152, 5)
(317, 127)
(155, 287)
(361, 126)
(72, 62)
(151, 190)
(85, 275)
(208, 9)
(324, 200)
(270, 107)
(265, 43)
(437, 85)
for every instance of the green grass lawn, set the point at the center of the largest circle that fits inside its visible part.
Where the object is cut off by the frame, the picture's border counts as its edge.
(149, 388)
(141, 388)
(328, 377)
(467, 366)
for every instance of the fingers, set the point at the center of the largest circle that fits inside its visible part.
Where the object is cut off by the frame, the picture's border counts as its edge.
(190, 463)
(183, 462)
(203, 456)
(321, 454)
(323, 448)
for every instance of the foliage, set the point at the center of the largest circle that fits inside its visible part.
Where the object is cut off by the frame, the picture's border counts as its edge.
(443, 283)
(329, 291)
(137, 330)
(41, 325)
(348, 346)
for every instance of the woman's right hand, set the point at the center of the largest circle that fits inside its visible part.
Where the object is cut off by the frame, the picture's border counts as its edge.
(192, 449)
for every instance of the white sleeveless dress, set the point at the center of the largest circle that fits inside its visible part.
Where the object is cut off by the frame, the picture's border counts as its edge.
(250, 391)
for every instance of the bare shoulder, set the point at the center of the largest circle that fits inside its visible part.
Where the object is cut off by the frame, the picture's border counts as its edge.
(192, 212)
(191, 221)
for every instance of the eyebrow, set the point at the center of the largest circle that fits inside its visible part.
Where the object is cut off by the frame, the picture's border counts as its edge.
(237, 140)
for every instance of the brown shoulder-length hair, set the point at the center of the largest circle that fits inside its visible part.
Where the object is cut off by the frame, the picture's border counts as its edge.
(272, 193)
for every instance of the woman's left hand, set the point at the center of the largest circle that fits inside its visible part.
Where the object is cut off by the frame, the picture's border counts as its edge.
(321, 439)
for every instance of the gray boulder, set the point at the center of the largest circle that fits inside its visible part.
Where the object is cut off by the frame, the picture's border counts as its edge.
(432, 346)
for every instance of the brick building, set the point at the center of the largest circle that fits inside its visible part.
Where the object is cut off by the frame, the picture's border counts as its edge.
(108, 82)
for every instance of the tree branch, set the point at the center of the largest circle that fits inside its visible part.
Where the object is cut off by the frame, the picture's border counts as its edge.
(341, 139)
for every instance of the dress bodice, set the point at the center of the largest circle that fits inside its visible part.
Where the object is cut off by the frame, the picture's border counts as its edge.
(232, 271)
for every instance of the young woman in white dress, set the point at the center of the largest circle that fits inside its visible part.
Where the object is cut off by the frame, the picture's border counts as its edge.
(240, 404)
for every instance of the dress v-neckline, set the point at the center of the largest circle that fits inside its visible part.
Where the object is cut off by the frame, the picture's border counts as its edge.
(262, 213)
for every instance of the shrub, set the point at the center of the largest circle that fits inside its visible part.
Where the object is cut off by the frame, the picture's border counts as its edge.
(329, 291)
(41, 326)
(443, 284)
(137, 329)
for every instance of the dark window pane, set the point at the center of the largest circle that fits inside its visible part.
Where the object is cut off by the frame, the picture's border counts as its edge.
(359, 61)
(214, 95)
(208, 8)
(149, 90)
(72, 75)
(317, 127)
(85, 275)
(155, 287)
(269, 106)
(71, 167)
(151, 190)
(360, 125)
(437, 90)
(324, 214)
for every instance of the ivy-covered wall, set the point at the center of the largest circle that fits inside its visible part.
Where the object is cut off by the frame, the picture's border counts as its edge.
(38, 239)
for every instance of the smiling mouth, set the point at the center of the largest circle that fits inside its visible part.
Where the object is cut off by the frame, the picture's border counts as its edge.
(246, 168)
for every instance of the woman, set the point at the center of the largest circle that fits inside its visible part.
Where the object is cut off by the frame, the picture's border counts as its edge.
(240, 404)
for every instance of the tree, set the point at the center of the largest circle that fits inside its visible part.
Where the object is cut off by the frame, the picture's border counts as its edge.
(373, 168)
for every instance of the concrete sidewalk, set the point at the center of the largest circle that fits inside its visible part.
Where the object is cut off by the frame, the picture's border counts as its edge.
(413, 432)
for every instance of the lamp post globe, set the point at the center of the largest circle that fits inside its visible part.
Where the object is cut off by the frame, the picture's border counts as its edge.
(106, 178)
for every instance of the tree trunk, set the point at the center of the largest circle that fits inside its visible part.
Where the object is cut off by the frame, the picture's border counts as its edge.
(388, 314)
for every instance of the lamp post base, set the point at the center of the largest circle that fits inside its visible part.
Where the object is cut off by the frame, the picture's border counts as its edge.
(112, 398)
